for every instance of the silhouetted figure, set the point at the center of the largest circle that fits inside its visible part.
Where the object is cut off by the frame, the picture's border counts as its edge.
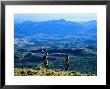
(66, 62)
(45, 58)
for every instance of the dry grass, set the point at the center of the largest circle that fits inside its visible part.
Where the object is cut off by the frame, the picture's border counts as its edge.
(40, 71)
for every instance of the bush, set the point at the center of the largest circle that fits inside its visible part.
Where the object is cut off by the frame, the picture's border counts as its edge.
(23, 72)
(29, 72)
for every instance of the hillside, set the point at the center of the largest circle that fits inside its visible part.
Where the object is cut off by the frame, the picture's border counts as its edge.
(56, 27)
(82, 60)
(40, 71)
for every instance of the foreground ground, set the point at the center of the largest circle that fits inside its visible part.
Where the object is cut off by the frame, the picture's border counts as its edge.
(40, 71)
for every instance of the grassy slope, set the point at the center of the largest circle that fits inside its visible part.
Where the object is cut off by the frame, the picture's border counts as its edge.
(40, 71)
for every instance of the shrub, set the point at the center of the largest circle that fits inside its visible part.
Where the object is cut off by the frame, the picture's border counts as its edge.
(23, 72)
(29, 72)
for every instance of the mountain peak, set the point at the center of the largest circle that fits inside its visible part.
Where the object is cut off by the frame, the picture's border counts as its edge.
(62, 20)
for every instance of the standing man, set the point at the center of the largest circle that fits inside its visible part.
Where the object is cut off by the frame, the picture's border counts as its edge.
(66, 62)
(45, 58)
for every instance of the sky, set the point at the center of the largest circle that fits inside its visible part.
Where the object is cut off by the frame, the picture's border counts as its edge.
(78, 17)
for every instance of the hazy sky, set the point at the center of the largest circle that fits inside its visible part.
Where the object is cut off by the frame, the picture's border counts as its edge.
(44, 17)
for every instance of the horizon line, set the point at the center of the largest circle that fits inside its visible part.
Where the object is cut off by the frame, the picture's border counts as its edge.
(55, 20)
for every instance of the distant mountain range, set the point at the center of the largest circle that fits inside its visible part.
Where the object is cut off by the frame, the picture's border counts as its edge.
(56, 27)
